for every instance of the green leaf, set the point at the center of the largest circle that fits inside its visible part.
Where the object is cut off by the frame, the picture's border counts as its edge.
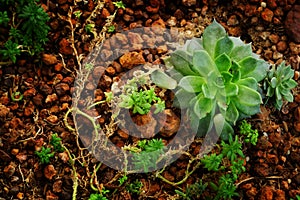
(273, 82)
(240, 52)
(290, 84)
(192, 83)
(224, 45)
(223, 63)
(289, 97)
(203, 106)
(209, 92)
(182, 99)
(163, 80)
(235, 71)
(202, 63)
(249, 82)
(181, 62)
(248, 96)
(260, 72)
(227, 77)
(248, 64)
(211, 35)
(232, 114)
(194, 44)
(245, 109)
(231, 89)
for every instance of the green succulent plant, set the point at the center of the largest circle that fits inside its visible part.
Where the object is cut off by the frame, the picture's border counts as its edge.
(279, 83)
(218, 75)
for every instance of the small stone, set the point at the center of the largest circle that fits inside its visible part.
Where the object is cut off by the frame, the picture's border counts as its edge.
(29, 93)
(131, 59)
(232, 21)
(171, 124)
(50, 172)
(57, 186)
(10, 169)
(49, 59)
(51, 98)
(52, 119)
(281, 46)
(295, 48)
(292, 23)
(267, 15)
(38, 99)
(274, 38)
(267, 193)
(61, 88)
(64, 157)
(20, 195)
(51, 196)
(65, 47)
(3, 111)
(189, 2)
(277, 55)
(272, 4)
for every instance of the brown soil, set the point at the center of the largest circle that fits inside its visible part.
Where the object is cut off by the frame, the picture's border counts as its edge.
(47, 83)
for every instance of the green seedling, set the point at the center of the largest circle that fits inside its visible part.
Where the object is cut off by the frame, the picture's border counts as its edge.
(17, 96)
(56, 143)
(250, 134)
(119, 4)
(4, 19)
(44, 155)
(193, 191)
(134, 187)
(11, 51)
(77, 14)
(111, 29)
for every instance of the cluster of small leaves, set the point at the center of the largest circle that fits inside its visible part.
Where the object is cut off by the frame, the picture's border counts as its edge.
(141, 101)
(27, 26)
(119, 4)
(122, 180)
(147, 154)
(279, 83)
(232, 151)
(193, 191)
(251, 135)
(56, 143)
(217, 78)
(99, 196)
(134, 187)
(44, 155)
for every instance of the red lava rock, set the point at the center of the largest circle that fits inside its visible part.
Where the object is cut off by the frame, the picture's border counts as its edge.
(65, 47)
(189, 2)
(10, 169)
(266, 193)
(105, 13)
(64, 157)
(50, 172)
(280, 195)
(168, 176)
(52, 119)
(281, 46)
(3, 111)
(62, 88)
(271, 4)
(21, 157)
(171, 125)
(29, 109)
(274, 38)
(178, 14)
(46, 89)
(160, 23)
(292, 23)
(49, 59)
(20, 195)
(267, 15)
(131, 59)
(145, 124)
(57, 186)
(252, 192)
(58, 67)
(62, 1)
(29, 93)
(295, 157)
(38, 99)
(51, 196)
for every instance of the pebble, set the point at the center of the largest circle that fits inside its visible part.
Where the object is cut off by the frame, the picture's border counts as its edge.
(267, 15)
(281, 46)
(274, 38)
(49, 172)
(189, 2)
(49, 59)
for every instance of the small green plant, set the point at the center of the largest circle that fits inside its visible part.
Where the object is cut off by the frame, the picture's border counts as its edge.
(193, 191)
(140, 101)
(212, 162)
(44, 155)
(147, 154)
(17, 96)
(122, 180)
(233, 149)
(97, 196)
(4, 19)
(279, 83)
(89, 28)
(119, 4)
(134, 187)
(77, 14)
(250, 134)
(111, 29)
(27, 26)
(11, 51)
(56, 143)
(226, 188)
(218, 75)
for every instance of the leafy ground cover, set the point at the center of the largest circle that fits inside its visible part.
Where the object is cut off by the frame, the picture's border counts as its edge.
(41, 154)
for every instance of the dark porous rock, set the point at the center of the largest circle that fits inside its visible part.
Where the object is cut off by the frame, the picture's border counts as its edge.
(292, 23)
